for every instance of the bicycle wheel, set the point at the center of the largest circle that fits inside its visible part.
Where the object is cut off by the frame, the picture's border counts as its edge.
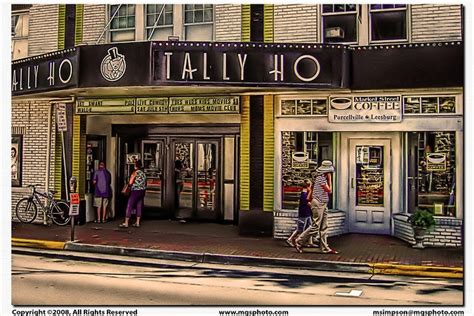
(26, 210)
(60, 213)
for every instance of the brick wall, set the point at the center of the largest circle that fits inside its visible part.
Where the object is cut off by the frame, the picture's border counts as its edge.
(285, 223)
(30, 118)
(43, 35)
(228, 22)
(296, 23)
(94, 23)
(446, 233)
(435, 23)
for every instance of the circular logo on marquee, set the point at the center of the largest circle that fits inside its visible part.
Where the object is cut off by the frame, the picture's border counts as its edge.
(113, 65)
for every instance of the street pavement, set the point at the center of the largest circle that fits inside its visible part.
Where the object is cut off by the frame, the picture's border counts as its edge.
(209, 239)
(57, 280)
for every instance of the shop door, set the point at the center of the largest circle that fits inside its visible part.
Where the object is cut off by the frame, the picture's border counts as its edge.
(196, 178)
(370, 192)
(153, 153)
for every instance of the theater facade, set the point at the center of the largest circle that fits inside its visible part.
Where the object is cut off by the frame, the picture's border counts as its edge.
(248, 122)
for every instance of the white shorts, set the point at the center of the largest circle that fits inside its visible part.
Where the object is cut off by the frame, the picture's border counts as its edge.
(101, 202)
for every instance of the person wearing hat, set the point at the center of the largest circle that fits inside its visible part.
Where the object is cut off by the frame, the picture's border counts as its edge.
(322, 186)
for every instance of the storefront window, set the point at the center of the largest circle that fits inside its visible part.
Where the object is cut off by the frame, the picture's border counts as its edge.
(16, 160)
(302, 152)
(429, 104)
(304, 107)
(432, 172)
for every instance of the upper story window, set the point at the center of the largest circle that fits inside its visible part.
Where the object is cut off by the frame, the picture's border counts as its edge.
(159, 21)
(198, 22)
(388, 22)
(339, 23)
(19, 32)
(122, 27)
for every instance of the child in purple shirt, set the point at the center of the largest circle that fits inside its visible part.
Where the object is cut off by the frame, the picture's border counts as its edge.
(304, 213)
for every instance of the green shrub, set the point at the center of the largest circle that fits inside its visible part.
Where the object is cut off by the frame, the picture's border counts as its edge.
(423, 219)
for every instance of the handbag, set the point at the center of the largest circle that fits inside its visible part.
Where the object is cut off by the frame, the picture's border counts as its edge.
(126, 189)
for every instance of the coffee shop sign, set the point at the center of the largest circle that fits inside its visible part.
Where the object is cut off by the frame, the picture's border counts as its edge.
(382, 109)
(46, 74)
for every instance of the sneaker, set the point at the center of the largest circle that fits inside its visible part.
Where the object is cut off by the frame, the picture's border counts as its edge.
(298, 248)
(290, 243)
(331, 251)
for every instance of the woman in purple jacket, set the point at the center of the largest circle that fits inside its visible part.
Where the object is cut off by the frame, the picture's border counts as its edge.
(102, 192)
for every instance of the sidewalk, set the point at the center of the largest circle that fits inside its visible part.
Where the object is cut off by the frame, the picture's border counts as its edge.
(217, 240)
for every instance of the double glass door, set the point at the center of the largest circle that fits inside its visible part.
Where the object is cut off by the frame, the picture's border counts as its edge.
(196, 178)
(183, 175)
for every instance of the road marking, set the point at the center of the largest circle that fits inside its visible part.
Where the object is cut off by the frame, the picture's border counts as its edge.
(355, 293)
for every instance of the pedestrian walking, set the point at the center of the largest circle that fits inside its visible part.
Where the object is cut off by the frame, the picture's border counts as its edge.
(304, 214)
(137, 185)
(102, 192)
(322, 187)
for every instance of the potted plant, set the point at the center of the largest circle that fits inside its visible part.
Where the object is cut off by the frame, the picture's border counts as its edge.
(421, 221)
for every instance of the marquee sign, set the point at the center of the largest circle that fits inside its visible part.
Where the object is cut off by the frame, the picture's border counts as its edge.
(52, 71)
(164, 105)
(250, 64)
(361, 109)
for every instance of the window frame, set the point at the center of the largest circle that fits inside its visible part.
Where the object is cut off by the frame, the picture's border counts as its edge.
(357, 13)
(296, 99)
(111, 31)
(407, 10)
(437, 96)
(185, 24)
(158, 26)
(334, 195)
(19, 14)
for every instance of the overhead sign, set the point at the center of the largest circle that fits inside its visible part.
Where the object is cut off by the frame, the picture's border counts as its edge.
(223, 104)
(105, 106)
(61, 119)
(47, 72)
(164, 105)
(362, 109)
(250, 64)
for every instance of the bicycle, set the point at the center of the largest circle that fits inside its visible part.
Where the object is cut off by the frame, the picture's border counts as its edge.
(58, 210)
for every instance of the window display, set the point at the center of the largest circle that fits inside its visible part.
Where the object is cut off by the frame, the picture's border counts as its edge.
(435, 166)
(302, 152)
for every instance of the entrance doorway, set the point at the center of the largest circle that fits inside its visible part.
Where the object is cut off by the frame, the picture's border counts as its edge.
(369, 186)
(189, 175)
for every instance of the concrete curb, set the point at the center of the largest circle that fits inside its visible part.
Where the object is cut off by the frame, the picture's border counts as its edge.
(34, 243)
(369, 268)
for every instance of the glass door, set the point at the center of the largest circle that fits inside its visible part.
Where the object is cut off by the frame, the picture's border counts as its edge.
(207, 179)
(184, 175)
(153, 166)
(370, 196)
(196, 178)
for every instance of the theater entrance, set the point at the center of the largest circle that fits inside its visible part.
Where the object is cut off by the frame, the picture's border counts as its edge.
(185, 174)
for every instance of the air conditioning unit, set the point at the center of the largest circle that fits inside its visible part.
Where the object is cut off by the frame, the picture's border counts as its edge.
(334, 32)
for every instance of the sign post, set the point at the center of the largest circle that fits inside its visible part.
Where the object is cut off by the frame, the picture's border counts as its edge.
(74, 201)
(61, 119)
